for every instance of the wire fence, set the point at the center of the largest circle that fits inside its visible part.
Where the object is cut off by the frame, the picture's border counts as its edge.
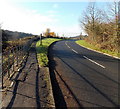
(12, 60)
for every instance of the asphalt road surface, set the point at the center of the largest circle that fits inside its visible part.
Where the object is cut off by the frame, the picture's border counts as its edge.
(92, 77)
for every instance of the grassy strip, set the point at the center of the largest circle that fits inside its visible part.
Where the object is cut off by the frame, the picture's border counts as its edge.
(43, 49)
(86, 44)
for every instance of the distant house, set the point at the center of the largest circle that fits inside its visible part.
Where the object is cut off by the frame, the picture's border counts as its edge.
(52, 34)
(47, 33)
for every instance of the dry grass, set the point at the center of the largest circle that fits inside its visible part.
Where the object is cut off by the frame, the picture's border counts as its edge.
(98, 47)
(18, 42)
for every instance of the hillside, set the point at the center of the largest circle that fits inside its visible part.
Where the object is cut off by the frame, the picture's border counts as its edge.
(13, 35)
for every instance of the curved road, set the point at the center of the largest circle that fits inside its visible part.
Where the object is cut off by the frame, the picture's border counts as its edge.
(91, 76)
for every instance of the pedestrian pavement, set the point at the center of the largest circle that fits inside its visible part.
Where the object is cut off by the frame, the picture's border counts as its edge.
(27, 90)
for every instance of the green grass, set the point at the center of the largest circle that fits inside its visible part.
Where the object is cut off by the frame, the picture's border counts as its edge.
(87, 45)
(42, 50)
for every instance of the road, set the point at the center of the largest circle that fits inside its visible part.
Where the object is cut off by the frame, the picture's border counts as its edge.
(91, 77)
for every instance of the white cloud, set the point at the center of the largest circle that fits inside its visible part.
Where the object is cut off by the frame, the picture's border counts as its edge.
(52, 14)
(67, 31)
(51, 11)
(24, 20)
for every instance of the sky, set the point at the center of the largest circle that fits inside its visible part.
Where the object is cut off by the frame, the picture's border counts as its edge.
(34, 16)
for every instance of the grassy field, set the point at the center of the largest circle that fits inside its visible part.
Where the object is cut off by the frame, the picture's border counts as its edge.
(42, 50)
(87, 45)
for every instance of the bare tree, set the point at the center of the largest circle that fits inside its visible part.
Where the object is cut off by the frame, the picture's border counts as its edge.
(0, 33)
(0, 39)
(103, 27)
(114, 16)
(119, 18)
(92, 16)
(118, 33)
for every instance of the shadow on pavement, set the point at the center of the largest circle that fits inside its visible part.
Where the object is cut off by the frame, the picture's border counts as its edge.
(103, 94)
(58, 96)
(66, 55)
(75, 98)
(13, 97)
(14, 91)
(9, 106)
(37, 89)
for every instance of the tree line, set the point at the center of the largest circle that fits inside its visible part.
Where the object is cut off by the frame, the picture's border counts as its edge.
(102, 26)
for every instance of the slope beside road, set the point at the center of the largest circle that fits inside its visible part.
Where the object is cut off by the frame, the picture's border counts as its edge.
(30, 90)
(90, 77)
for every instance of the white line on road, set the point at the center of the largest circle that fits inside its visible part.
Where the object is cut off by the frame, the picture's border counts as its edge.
(67, 45)
(86, 57)
(74, 51)
(94, 62)
(71, 49)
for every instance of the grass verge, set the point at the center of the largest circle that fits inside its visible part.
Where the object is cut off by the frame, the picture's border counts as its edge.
(42, 50)
(87, 45)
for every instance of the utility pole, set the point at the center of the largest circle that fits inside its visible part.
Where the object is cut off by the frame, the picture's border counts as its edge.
(40, 39)
(80, 36)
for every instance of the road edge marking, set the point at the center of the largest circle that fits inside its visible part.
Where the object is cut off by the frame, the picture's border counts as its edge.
(71, 48)
(74, 51)
(94, 62)
(67, 44)
(85, 57)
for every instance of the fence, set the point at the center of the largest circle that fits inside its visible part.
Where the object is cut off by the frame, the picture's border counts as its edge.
(13, 59)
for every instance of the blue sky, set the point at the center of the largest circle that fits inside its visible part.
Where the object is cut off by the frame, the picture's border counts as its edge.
(35, 17)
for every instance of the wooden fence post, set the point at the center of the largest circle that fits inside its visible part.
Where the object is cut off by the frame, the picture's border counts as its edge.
(2, 72)
(17, 55)
(13, 58)
(8, 64)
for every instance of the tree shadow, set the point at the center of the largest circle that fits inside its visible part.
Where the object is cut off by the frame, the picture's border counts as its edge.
(92, 85)
(9, 106)
(37, 89)
(14, 91)
(58, 95)
(33, 50)
(74, 97)
(58, 53)
(116, 82)
(66, 55)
